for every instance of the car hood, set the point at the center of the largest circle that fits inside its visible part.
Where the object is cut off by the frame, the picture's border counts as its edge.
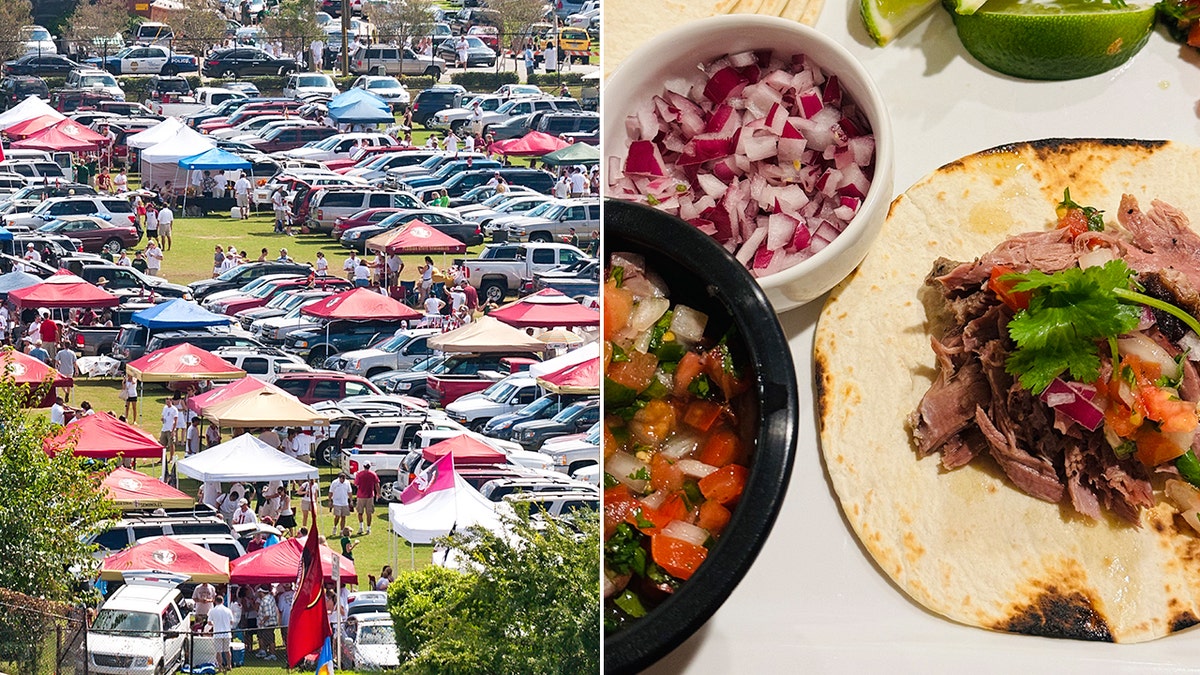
(523, 220)
(468, 405)
(363, 354)
(372, 657)
(539, 425)
(101, 643)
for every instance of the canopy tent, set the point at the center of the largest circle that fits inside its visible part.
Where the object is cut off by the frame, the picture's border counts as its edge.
(130, 489)
(17, 280)
(281, 562)
(560, 336)
(160, 162)
(183, 362)
(581, 378)
(589, 351)
(155, 134)
(63, 290)
(102, 436)
(353, 96)
(65, 136)
(214, 158)
(485, 334)
(579, 153)
(5, 235)
(268, 406)
(32, 374)
(360, 304)
(361, 112)
(466, 449)
(32, 126)
(28, 109)
(532, 144)
(167, 554)
(439, 513)
(415, 237)
(200, 402)
(244, 458)
(178, 314)
(546, 309)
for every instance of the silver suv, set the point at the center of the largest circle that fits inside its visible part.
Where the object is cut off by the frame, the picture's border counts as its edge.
(393, 60)
(329, 205)
(115, 210)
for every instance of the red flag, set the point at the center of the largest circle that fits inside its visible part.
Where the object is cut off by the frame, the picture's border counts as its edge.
(439, 476)
(308, 624)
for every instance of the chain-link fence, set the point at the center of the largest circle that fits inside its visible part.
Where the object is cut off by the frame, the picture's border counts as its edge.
(40, 638)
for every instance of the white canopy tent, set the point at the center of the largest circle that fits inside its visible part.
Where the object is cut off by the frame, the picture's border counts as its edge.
(576, 356)
(164, 130)
(244, 458)
(160, 162)
(441, 512)
(28, 109)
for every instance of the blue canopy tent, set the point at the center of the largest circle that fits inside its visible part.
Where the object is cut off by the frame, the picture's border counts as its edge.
(16, 280)
(362, 112)
(213, 159)
(178, 314)
(353, 96)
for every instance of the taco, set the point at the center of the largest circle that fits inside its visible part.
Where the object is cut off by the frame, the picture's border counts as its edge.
(1018, 543)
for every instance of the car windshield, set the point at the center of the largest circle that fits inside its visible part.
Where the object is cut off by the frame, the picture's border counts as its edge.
(40, 34)
(97, 80)
(315, 81)
(231, 275)
(500, 392)
(432, 162)
(121, 54)
(52, 226)
(44, 207)
(134, 624)
(394, 343)
(496, 200)
(553, 212)
(569, 412)
(384, 84)
(282, 302)
(376, 634)
(537, 407)
(540, 209)
(593, 434)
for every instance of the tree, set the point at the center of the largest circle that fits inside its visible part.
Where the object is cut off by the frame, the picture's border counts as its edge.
(294, 23)
(47, 507)
(13, 15)
(397, 21)
(98, 19)
(516, 16)
(527, 602)
(200, 26)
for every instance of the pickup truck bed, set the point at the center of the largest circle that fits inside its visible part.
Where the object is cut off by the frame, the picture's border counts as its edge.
(497, 277)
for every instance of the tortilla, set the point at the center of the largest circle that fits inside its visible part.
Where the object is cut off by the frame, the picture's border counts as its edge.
(967, 543)
(631, 22)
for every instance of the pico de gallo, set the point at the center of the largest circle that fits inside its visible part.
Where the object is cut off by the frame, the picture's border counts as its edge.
(675, 464)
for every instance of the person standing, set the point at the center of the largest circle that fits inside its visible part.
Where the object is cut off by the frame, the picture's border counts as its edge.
(170, 416)
(218, 260)
(120, 182)
(284, 596)
(277, 204)
(366, 485)
(427, 271)
(550, 58)
(577, 182)
(393, 266)
(529, 61)
(166, 222)
(362, 274)
(203, 596)
(268, 619)
(129, 394)
(152, 222)
(310, 496)
(241, 190)
(58, 414)
(562, 187)
(139, 210)
(65, 360)
(339, 502)
(461, 51)
(450, 145)
(208, 185)
(192, 441)
(322, 265)
(244, 514)
(471, 294)
(221, 620)
(349, 265)
(154, 258)
(317, 49)
(212, 435)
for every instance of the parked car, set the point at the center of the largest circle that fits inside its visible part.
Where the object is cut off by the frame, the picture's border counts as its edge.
(279, 305)
(555, 503)
(242, 61)
(262, 365)
(146, 60)
(115, 210)
(458, 184)
(575, 451)
(153, 33)
(369, 642)
(94, 79)
(141, 628)
(571, 420)
(387, 88)
(498, 489)
(582, 215)
(97, 234)
(17, 88)
(290, 138)
(126, 531)
(300, 85)
(400, 352)
(513, 392)
(41, 65)
(441, 220)
(438, 97)
(544, 407)
(478, 53)
(167, 88)
(328, 205)
(324, 385)
(341, 145)
(261, 295)
(37, 40)
(240, 275)
(393, 60)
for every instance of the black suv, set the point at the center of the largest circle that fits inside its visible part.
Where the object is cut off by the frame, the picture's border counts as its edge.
(167, 88)
(435, 99)
(121, 277)
(206, 340)
(243, 61)
(17, 88)
(316, 345)
(243, 274)
(557, 123)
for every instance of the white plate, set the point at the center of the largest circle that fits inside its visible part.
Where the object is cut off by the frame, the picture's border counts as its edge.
(814, 600)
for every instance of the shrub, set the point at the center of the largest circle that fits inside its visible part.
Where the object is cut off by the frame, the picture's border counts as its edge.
(484, 81)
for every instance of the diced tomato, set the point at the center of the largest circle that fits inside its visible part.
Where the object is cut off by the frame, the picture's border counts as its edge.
(1193, 38)
(1015, 300)
(675, 508)
(701, 414)
(617, 505)
(665, 475)
(653, 423)
(1121, 420)
(721, 447)
(634, 373)
(725, 485)
(679, 558)
(1172, 414)
(713, 517)
(1154, 448)
(691, 365)
(1074, 222)
(610, 442)
(646, 519)
(618, 306)
(728, 382)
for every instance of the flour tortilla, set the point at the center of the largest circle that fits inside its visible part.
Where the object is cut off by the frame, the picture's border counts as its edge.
(967, 543)
(629, 23)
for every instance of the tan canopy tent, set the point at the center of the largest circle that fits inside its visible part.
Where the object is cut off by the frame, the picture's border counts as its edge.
(268, 407)
(486, 334)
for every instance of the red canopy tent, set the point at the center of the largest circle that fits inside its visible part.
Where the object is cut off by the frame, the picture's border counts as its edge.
(166, 554)
(360, 304)
(281, 562)
(466, 450)
(580, 378)
(183, 361)
(63, 290)
(103, 436)
(532, 144)
(545, 309)
(199, 402)
(65, 136)
(131, 489)
(32, 126)
(415, 237)
(28, 371)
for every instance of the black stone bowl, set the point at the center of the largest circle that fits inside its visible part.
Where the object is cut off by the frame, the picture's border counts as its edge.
(702, 275)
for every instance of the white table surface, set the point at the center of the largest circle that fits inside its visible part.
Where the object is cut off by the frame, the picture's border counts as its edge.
(814, 601)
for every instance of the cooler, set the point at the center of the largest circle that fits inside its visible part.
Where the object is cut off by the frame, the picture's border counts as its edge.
(239, 653)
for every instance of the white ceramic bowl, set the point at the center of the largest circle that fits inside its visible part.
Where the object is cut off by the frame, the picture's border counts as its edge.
(679, 51)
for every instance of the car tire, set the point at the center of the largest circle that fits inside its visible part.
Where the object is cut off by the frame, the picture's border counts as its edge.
(458, 125)
(541, 237)
(113, 246)
(493, 290)
(575, 466)
(229, 74)
(324, 454)
(385, 493)
(286, 70)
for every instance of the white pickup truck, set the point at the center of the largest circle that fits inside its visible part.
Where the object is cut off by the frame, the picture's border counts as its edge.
(499, 270)
(513, 392)
(200, 99)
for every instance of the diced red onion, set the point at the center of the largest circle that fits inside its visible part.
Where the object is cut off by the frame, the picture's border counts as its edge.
(1066, 400)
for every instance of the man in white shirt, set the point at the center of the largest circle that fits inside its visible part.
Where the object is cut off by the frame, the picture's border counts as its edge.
(170, 416)
(350, 265)
(57, 412)
(204, 596)
(241, 190)
(222, 624)
(578, 183)
(192, 442)
(317, 48)
(339, 502)
(244, 514)
(302, 445)
(166, 219)
(270, 437)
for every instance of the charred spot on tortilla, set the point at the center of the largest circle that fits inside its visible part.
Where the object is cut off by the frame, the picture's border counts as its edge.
(820, 370)
(1055, 614)
(1182, 621)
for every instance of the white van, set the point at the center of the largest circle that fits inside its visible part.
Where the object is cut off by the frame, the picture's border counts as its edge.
(141, 628)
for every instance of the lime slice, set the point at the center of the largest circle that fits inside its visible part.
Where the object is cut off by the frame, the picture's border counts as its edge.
(885, 19)
(965, 6)
(1060, 40)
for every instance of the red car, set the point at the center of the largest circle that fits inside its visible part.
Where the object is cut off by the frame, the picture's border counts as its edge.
(249, 111)
(325, 385)
(263, 294)
(95, 233)
(290, 138)
(364, 217)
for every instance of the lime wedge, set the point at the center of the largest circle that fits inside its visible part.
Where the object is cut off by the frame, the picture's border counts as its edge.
(965, 6)
(885, 19)
(1060, 40)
